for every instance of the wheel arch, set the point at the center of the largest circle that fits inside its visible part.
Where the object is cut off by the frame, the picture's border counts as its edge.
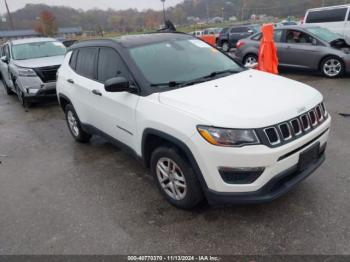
(63, 101)
(153, 138)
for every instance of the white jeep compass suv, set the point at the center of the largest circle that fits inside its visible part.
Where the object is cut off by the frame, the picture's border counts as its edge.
(205, 126)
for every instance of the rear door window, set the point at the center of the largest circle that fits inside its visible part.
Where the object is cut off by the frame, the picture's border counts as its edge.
(86, 62)
(327, 16)
(277, 36)
(237, 30)
(298, 37)
(110, 65)
(73, 59)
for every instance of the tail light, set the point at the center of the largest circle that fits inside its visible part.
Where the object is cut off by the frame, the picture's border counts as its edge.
(240, 44)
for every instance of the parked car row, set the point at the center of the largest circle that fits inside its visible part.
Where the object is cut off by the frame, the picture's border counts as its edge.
(304, 47)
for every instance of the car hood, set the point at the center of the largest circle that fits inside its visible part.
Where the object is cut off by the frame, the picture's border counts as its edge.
(40, 62)
(251, 99)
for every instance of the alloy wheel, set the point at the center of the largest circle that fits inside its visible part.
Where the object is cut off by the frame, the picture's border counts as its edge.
(250, 60)
(332, 67)
(73, 123)
(171, 179)
(225, 47)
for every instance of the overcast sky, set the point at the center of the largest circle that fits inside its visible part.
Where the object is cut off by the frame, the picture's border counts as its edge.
(89, 4)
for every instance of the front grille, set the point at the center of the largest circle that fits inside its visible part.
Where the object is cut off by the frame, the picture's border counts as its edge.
(47, 74)
(290, 130)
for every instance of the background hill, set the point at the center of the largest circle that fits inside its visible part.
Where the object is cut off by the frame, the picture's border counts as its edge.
(133, 20)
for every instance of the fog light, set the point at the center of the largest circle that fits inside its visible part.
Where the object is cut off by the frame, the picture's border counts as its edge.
(240, 176)
(32, 91)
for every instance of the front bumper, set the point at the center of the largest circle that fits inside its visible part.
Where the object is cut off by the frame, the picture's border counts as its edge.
(278, 186)
(277, 162)
(34, 89)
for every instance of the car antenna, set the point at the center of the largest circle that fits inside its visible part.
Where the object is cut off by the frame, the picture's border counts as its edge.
(169, 27)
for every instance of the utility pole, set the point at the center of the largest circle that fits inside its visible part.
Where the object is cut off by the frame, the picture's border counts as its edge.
(163, 1)
(9, 15)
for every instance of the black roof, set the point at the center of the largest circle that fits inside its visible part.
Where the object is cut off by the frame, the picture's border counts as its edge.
(134, 40)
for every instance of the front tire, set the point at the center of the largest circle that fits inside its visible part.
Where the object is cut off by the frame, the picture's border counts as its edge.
(22, 99)
(74, 125)
(7, 89)
(332, 67)
(175, 178)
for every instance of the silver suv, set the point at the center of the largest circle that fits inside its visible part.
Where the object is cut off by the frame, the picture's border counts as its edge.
(28, 68)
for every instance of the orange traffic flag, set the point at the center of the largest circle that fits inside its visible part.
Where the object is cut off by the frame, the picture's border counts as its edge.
(268, 60)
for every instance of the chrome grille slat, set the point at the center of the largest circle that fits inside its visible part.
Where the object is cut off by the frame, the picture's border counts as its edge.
(270, 133)
(299, 130)
(287, 131)
(283, 128)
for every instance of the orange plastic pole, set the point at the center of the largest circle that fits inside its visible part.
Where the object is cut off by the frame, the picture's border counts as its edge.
(268, 60)
(210, 39)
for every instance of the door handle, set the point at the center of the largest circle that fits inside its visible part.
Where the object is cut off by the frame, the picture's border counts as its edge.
(70, 81)
(96, 92)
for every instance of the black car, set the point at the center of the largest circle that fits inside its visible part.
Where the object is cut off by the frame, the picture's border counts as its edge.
(229, 36)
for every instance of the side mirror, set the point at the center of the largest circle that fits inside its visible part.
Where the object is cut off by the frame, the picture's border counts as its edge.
(4, 59)
(117, 84)
(314, 41)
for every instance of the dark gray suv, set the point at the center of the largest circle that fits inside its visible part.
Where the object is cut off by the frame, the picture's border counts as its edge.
(229, 36)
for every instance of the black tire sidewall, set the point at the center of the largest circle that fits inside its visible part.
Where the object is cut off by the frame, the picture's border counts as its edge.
(194, 195)
(228, 47)
(332, 57)
(83, 137)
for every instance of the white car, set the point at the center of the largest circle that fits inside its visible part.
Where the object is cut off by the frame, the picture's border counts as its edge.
(334, 18)
(28, 68)
(205, 126)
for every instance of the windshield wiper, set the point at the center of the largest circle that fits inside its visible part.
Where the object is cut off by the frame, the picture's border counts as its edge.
(209, 76)
(168, 84)
(197, 80)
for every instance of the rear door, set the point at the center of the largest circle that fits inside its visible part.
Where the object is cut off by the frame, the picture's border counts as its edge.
(236, 33)
(117, 109)
(298, 50)
(87, 91)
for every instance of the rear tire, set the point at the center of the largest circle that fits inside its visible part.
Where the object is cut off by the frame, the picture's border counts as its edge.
(175, 178)
(250, 59)
(226, 46)
(332, 67)
(74, 125)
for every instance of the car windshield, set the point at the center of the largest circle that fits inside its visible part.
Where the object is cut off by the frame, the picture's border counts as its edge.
(180, 61)
(324, 34)
(37, 50)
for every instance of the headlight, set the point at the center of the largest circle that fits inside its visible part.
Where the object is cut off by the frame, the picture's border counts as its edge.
(26, 72)
(228, 137)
